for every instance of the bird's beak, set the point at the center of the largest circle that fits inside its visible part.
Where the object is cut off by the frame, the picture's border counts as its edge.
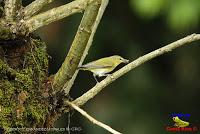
(125, 61)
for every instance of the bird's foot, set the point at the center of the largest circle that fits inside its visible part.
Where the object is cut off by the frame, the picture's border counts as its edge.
(109, 75)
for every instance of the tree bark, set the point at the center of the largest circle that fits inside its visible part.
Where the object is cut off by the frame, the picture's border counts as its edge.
(24, 81)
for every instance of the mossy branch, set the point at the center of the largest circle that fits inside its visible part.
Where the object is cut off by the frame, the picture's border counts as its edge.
(55, 14)
(102, 8)
(11, 9)
(78, 46)
(6, 70)
(34, 7)
(108, 80)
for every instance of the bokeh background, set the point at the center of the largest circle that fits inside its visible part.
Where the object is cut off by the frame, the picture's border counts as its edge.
(143, 100)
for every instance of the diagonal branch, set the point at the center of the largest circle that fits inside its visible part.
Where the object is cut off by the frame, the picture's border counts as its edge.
(55, 14)
(108, 80)
(102, 8)
(11, 9)
(93, 120)
(34, 7)
(78, 46)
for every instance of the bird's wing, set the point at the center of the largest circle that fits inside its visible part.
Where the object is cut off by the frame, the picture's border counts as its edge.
(90, 66)
(98, 64)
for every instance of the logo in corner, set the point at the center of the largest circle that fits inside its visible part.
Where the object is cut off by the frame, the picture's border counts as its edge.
(181, 123)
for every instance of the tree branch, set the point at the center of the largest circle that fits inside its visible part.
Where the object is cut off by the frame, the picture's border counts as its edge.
(11, 9)
(34, 7)
(102, 8)
(78, 46)
(55, 14)
(93, 120)
(108, 80)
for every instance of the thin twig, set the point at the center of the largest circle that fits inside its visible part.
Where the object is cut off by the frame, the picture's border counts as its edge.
(68, 124)
(11, 9)
(55, 14)
(93, 120)
(102, 8)
(69, 66)
(108, 80)
(34, 7)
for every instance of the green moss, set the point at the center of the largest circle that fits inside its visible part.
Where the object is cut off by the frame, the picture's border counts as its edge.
(1, 94)
(23, 81)
(5, 113)
(37, 113)
(8, 90)
(3, 69)
(30, 78)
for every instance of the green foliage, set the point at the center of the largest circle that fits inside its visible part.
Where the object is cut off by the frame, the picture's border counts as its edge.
(180, 14)
(147, 8)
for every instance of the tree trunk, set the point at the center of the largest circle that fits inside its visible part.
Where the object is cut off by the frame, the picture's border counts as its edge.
(26, 100)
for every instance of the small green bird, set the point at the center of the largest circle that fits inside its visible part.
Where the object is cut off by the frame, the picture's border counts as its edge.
(103, 66)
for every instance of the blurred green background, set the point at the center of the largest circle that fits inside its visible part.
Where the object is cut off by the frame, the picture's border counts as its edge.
(143, 100)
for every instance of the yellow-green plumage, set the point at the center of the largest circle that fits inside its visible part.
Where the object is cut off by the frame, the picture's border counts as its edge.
(103, 66)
